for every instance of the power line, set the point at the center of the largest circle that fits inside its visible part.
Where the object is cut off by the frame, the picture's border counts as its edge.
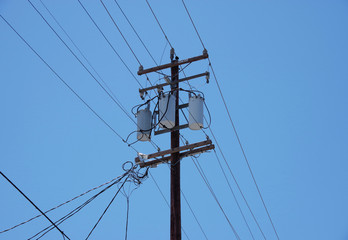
(107, 40)
(77, 209)
(165, 199)
(66, 84)
(106, 209)
(191, 157)
(236, 182)
(234, 128)
(136, 33)
(83, 55)
(193, 213)
(116, 101)
(234, 196)
(119, 30)
(83, 65)
(201, 172)
(153, 13)
(34, 204)
(188, 13)
(245, 157)
(60, 205)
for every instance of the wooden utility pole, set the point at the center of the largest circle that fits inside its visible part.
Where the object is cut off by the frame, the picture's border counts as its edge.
(175, 202)
(176, 153)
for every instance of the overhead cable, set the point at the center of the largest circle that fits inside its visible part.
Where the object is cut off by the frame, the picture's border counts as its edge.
(119, 30)
(107, 40)
(234, 128)
(136, 33)
(83, 65)
(83, 55)
(153, 13)
(165, 199)
(31, 202)
(66, 84)
(60, 205)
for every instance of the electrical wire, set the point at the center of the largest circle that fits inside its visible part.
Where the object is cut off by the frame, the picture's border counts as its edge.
(64, 82)
(136, 33)
(119, 30)
(153, 13)
(236, 182)
(234, 128)
(83, 65)
(77, 209)
(106, 209)
(234, 196)
(188, 13)
(201, 172)
(165, 199)
(60, 205)
(83, 55)
(31, 202)
(107, 40)
(116, 101)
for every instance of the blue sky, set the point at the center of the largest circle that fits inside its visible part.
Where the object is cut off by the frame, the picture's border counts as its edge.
(282, 66)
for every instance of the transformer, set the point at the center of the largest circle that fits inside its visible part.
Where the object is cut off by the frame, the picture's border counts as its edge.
(166, 111)
(196, 112)
(144, 124)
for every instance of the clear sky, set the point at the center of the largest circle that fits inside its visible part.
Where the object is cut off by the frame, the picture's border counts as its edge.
(282, 66)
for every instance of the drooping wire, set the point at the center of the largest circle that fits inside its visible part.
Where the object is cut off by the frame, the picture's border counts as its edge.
(60, 205)
(131, 173)
(106, 209)
(31, 202)
(77, 209)
(234, 128)
(153, 13)
(64, 82)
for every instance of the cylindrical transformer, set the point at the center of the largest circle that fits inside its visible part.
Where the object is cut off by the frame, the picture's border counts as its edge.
(144, 120)
(196, 112)
(166, 111)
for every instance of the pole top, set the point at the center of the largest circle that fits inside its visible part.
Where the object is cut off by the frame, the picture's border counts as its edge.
(172, 52)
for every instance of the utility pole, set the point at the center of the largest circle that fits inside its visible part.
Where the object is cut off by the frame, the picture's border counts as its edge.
(175, 201)
(176, 152)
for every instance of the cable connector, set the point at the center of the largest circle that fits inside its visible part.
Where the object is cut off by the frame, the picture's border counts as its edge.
(205, 52)
(141, 68)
